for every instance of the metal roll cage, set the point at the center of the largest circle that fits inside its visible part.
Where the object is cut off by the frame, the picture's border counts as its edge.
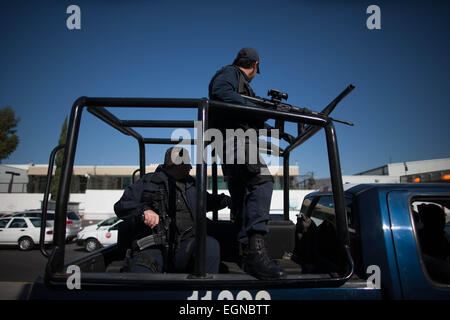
(97, 107)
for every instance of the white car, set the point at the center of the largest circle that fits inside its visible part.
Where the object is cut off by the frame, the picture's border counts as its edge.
(73, 222)
(23, 232)
(99, 235)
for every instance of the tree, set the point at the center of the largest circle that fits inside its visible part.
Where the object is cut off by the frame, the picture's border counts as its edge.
(8, 139)
(59, 161)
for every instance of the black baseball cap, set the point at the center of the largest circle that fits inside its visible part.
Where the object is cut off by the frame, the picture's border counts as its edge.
(249, 53)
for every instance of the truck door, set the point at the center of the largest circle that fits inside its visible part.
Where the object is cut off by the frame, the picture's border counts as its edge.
(405, 225)
(320, 209)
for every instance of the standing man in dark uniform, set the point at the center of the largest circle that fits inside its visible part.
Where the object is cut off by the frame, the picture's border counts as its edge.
(250, 185)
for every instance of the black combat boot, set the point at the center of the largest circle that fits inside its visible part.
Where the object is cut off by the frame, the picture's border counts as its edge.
(256, 261)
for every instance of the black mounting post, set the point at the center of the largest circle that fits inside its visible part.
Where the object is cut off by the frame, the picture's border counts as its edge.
(336, 184)
(141, 157)
(59, 237)
(214, 183)
(286, 185)
(201, 176)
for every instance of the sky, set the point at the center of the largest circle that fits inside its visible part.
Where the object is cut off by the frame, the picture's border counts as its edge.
(170, 49)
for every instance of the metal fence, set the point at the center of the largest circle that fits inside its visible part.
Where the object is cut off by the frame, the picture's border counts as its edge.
(15, 188)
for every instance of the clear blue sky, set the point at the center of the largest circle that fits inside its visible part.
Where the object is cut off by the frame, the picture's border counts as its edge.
(310, 49)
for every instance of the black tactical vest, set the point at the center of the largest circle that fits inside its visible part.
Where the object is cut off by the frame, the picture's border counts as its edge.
(183, 217)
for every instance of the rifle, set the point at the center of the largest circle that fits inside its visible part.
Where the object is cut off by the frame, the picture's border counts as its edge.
(276, 103)
(160, 234)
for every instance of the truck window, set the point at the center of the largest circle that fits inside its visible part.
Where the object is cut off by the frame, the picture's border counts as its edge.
(316, 247)
(431, 219)
(323, 209)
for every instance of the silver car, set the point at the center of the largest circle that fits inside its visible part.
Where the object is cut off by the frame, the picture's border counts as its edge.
(73, 222)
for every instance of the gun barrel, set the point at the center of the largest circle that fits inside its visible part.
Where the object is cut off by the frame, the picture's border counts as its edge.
(342, 121)
(256, 100)
(325, 112)
(328, 109)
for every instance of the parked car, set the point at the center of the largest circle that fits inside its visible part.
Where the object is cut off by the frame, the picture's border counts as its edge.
(99, 235)
(23, 232)
(73, 223)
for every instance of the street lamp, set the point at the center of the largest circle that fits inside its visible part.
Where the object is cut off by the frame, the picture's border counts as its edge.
(12, 179)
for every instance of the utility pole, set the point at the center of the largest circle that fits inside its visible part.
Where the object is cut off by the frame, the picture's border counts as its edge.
(12, 179)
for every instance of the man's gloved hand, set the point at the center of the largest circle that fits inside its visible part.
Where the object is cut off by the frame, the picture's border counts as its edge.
(225, 201)
(150, 218)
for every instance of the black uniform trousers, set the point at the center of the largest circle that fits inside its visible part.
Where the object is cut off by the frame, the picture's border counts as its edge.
(183, 257)
(251, 192)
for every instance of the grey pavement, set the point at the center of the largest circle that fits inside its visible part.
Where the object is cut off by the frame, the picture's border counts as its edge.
(18, 269)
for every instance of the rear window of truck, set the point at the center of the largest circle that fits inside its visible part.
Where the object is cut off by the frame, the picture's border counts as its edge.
(431, 217)
(316, 235)
(321, 208)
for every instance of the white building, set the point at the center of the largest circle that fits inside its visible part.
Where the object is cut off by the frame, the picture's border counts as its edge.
(435, 170)
(97, 188)
(13, 178)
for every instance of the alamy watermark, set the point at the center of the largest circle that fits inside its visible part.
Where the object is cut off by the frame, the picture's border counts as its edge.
(374, 279)
(73, 21)
(74, 280)
(373, 22)
(236, 147)
(373, 282)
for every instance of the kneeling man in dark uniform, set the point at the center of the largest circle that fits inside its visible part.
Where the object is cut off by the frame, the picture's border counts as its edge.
(161, 208)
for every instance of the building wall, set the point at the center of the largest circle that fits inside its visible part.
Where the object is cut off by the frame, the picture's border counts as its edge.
(376, 172)
(99, 204)
(360, 179)
(12, 202)
(414, 167)
(19, 182)
(410, 167)
(370, 179)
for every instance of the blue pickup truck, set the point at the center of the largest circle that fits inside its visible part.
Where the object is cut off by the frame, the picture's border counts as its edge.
(362, 243)
(384, 227)
(387, 226)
